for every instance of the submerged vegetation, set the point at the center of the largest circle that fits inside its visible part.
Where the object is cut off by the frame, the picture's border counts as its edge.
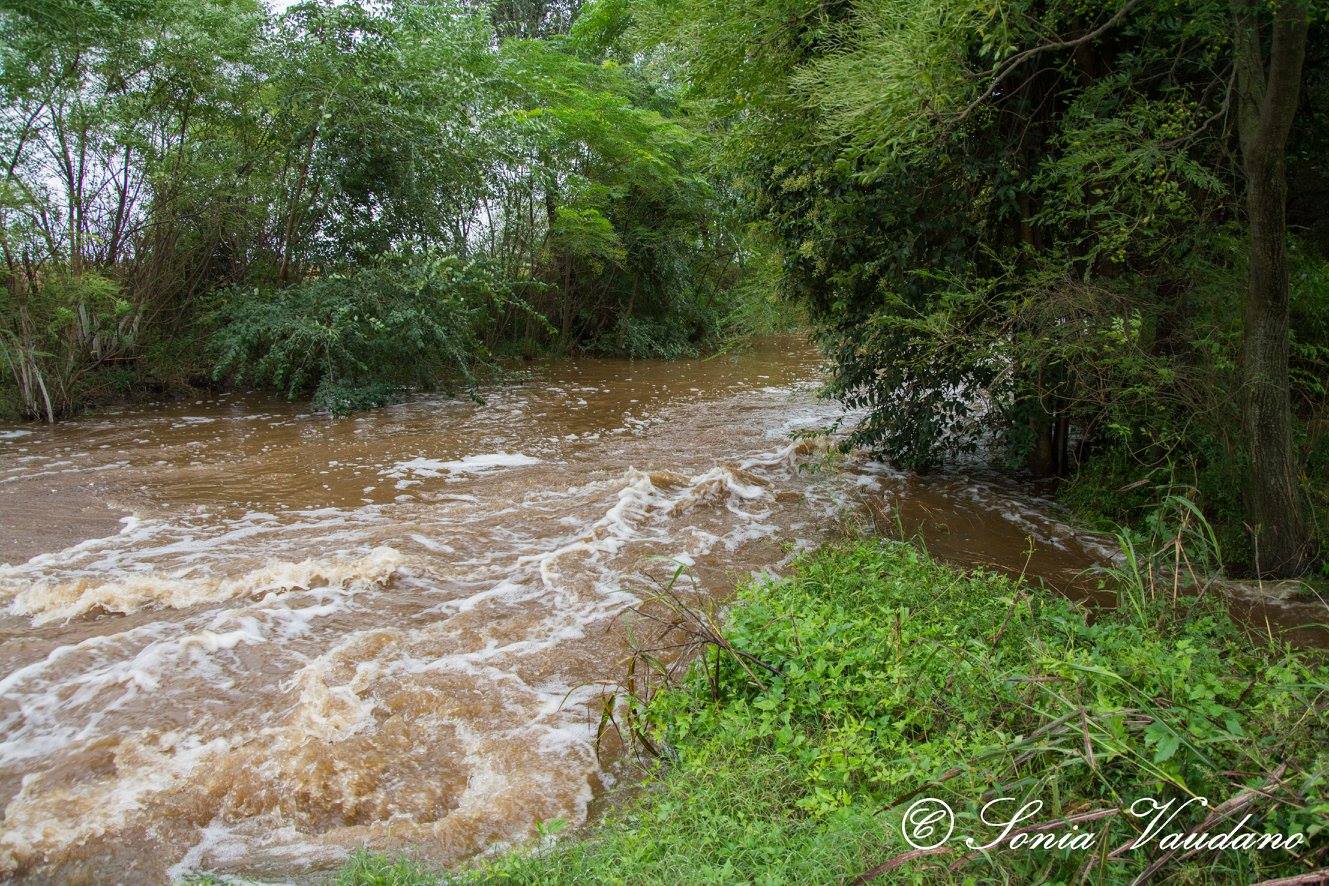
(874, 676)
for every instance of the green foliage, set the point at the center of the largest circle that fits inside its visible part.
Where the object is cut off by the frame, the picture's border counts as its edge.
(204, 880)
(1117, 184)
(631, 248)
(586, 235)
(54, 336)
(1108, 492)
(1309, 323)
(166, 151)
(644, 338)
(370, 869)
(385, 113)
(1317, 490)
(889, 68)
(360, 339)
(1016, 225)
(104, 110)
(1168, 424)
(897, 677)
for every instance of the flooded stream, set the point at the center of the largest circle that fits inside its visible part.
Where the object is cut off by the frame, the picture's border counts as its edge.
(245, 639)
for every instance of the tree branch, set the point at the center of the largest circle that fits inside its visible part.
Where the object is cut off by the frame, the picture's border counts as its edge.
(1007, 67)
(1287, 54)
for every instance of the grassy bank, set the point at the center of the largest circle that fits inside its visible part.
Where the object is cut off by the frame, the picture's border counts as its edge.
(875, 676)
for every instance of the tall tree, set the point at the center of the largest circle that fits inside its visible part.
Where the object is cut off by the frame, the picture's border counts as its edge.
(1267, 94)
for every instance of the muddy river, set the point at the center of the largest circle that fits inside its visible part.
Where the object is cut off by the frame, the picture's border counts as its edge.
(242, 638)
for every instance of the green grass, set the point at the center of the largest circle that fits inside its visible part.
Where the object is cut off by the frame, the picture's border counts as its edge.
(885, 676)
(370, 869)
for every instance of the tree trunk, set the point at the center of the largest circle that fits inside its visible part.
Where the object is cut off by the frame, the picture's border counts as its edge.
(295, 209)
(1061, 434)
(1267, 103)
(1042, 460)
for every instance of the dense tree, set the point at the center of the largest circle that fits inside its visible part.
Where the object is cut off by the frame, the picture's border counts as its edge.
(174, 167)
(108, 134)
(1020, 225)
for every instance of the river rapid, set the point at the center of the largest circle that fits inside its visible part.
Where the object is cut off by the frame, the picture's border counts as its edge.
(242, 638)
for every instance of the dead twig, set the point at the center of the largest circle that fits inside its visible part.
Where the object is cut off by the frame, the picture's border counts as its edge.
(897, 861)
(1320, 876)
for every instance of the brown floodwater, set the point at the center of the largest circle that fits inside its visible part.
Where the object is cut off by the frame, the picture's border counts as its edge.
(243, 638)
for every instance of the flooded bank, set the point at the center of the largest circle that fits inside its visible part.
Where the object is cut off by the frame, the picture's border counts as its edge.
(242, 638)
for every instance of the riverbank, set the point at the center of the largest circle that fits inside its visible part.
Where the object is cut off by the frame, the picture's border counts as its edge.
(875, 676)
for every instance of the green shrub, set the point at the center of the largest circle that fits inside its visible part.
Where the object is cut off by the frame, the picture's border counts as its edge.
(1107, 492)
(362, 338)
(641, 338)
(56, 335)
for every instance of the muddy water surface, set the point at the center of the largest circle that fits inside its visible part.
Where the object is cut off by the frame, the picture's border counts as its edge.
(245, 639)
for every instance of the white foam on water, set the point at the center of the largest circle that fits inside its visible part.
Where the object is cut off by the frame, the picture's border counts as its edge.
(48, 601)
(68, 698)
(58, 468)
(430, 468)
(221, 844)
(45, 816)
